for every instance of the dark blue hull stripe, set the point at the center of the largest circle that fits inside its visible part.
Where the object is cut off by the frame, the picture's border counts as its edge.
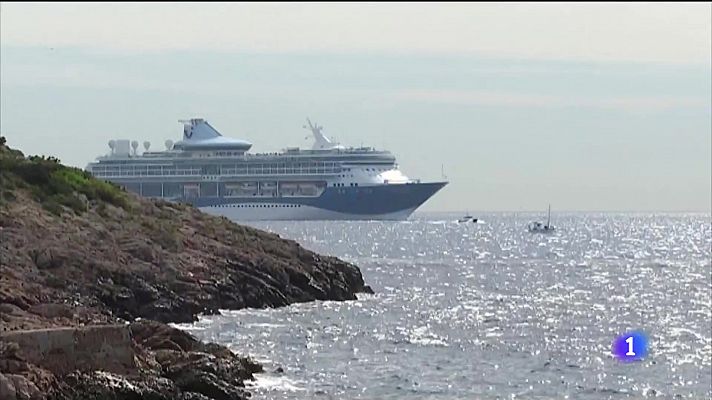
(361, 200)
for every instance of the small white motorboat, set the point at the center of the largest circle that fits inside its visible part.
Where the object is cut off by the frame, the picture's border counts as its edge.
(466, 218)
(538, 227)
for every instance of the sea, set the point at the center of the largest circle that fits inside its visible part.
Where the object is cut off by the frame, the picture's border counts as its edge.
(488, 310)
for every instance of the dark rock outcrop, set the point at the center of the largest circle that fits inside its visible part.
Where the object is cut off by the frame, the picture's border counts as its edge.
(116, 265)
(170, 364)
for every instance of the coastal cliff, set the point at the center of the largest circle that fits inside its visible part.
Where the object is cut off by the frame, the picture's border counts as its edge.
(77, 252)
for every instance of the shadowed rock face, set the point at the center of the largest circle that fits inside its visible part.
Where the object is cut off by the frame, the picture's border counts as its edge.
(159, 261)
(75, 252)
(159, 363)
(173, 365)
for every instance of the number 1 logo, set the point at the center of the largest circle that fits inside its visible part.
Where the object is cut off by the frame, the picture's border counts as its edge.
(631, 346)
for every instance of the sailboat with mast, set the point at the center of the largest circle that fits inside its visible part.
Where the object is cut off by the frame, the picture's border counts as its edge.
(538, 227)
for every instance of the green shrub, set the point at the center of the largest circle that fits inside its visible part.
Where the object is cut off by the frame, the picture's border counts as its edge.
(110, 193)
(54, 184)
(8, 195)
(70, 200)
(34, 172)
(102, 210)
(53, 207)
(166, 234)
(39, 193)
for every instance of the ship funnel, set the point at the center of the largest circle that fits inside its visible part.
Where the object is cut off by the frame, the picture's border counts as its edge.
(146, 145)
(198, 129)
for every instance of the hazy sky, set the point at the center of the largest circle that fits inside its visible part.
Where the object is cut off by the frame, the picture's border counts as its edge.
(586, 106)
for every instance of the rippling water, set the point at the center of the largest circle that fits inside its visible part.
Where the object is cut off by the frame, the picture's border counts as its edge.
(491, 311)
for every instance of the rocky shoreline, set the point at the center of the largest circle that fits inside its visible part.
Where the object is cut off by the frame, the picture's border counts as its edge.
(76, 252)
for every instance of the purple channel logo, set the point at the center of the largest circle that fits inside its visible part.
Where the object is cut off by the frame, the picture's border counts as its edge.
(630, 346)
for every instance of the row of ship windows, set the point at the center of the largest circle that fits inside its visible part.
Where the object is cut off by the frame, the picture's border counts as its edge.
(260, 205)
(155, 171)
(343, 184)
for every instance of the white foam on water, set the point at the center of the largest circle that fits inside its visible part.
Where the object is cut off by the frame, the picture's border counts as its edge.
(274, 383)
(264, 325)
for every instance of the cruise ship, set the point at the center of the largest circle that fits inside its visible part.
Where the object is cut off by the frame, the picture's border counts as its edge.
(220, 176)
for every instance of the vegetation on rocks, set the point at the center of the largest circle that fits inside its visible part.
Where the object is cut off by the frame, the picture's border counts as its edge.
(55, 186)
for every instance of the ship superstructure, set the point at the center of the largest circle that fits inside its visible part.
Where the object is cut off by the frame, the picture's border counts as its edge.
(220, 176)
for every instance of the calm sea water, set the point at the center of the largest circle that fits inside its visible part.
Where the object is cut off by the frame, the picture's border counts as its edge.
(490, 311)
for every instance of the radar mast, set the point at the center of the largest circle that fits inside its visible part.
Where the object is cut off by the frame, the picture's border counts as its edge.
(321, 142)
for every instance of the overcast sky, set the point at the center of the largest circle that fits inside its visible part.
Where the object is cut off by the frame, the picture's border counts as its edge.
(586, 106)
